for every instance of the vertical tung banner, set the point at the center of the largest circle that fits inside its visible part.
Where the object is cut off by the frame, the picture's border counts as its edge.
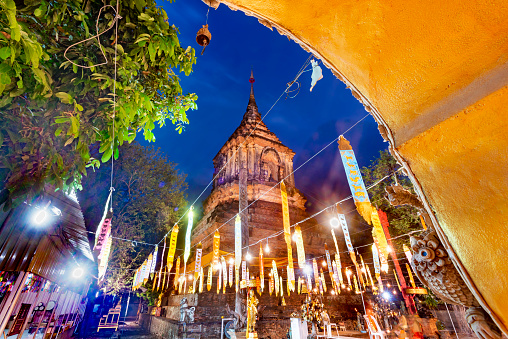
(177, 273)
(261, 268)
(216, 246)
(316, 272)
(154, 259)
(377, 267)
(323, 280)
(299, 247)
(201, 280)
(411, 279)
(231, 274)
(209, 279)
(329, 265)
(188, 233)
(380, 240)
(281, 288)
(339, 268)
(354, 178)
(271, 284)
(224, 274)
(244, 270)
(149, 265)
(335, 277)
(287, 232)
(197, 265)
(219, 281)
(238, 241)
(162, 264)
(171, 252)
(275, 277)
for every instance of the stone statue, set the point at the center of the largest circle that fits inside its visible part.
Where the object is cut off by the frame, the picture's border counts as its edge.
(252, 311)
(435, 270)
(186, 312)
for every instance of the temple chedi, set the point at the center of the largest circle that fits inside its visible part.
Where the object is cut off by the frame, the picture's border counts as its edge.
(248, 169)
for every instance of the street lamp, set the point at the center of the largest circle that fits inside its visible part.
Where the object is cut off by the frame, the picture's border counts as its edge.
(335, 223)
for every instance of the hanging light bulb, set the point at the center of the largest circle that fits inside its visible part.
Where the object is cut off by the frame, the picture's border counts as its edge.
(324, 263)
(248, 257)
(267, 248)
(335, 223)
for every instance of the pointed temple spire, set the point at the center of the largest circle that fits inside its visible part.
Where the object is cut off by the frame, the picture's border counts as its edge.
(252, 99)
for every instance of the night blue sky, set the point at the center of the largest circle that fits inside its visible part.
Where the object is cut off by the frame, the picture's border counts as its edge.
(305, 123)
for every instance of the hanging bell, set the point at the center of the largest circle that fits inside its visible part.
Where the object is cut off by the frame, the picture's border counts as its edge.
(203, 37)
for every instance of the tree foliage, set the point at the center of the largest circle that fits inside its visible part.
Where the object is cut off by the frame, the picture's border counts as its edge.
(402, 219)
(147, 201)
(51, 110)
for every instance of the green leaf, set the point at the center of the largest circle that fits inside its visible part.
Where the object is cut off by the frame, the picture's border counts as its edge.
(151, 50)
(79, 107)
(64, 97)
(58, 132)
(107, 155)
(5, 52)
(140, 4)
(38, 12)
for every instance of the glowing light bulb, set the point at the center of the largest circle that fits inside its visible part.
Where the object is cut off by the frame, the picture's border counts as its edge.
(189, 277)
(363, 269)
(78, 272)
(267, 249)
(388, 285)
(248, 257)
(308, 269)
(394, 292)
(348, 273)
(218, 266)
(334, 222)
(343, 285)
(231, 261)
(386, 295)
(389, 249)
(324, 263)
(295, 237)
(40, 216)
(333, 292)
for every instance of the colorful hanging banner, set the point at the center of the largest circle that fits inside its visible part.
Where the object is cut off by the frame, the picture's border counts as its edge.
(177, 272)
(224, 273)
(323, 280)
(162, 264)
(201, 279)
(299, 247)
(287, 230)
(171, 251)
(271, 284)
(237, 278)
(188, 233)
(102, 235)
(336, 280)
(316, 272)
(216, 248)
(104, 258)
(329, 265)
(275, 277)
(370, 279)
(231, 265)
(380, 240)
(209, 279)
(244, 271)
(339, 268)
(354, 178)
(407, 252)
(411, 279)
(261, 268)
(197, 264)
(238, 241)
(219, 281)
(154, 259)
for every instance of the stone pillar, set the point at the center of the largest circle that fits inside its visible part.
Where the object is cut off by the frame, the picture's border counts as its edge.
(240, 298)
(250, 161)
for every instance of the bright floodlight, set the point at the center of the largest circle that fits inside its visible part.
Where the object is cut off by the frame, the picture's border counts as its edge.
(308, 269)
(78, 272)
(333, 292)
(189, 276)
(324, 263)
(248, 257)
(40, 216)
(335, 223)
(386, 295)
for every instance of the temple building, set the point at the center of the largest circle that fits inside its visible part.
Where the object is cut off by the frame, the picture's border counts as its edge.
(255, 156)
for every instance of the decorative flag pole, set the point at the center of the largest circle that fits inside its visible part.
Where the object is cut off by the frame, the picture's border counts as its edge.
(171, 256)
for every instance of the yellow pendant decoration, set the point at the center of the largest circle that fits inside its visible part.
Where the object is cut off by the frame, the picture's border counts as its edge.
(201, 280)
(323, 280)
(209, 279)
(162, 262)
(177, 272)
(299, 247)
(171, 253)
(287, 233)
(411, 278)
(188, 233)
(224, 274)
(275, 277)
(397, 280)
(215, 250)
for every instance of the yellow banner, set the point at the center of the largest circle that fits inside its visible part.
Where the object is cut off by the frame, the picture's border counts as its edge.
(411, 279)
(380, 240)
(177, 273)
(201, 278)
(216, 245)
(172, 249)
(287, 232)
(209, 279)
(323, 280)
(397, 280)
(275, 277)
(299, 247)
